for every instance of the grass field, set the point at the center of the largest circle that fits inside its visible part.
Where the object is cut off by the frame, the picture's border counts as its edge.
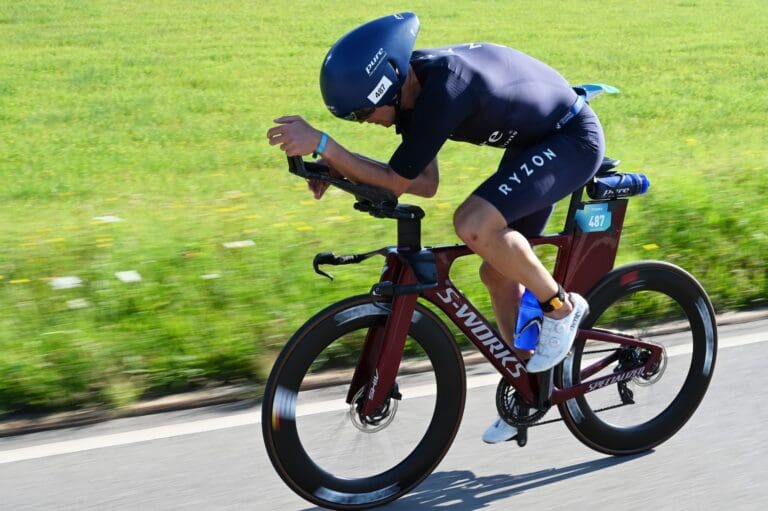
(132, 138)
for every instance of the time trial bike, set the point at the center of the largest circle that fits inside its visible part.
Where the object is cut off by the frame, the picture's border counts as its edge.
(367, 396)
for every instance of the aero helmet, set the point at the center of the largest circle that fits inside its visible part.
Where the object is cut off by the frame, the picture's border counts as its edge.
(367, 67)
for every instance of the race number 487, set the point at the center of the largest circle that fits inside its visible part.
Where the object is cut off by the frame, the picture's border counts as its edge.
(594, 218)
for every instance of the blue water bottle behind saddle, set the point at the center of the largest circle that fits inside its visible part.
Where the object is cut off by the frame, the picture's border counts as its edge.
(617, 185)
(528, 322)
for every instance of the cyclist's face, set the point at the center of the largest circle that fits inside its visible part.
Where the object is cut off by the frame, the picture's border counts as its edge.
(383, 116)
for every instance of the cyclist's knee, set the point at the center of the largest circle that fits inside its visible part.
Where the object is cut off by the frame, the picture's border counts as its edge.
(467, 231)
(475, 220)
(462, 223)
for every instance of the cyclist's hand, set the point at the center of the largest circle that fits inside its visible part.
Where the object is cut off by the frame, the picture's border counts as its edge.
(318, 187)
(295, 135)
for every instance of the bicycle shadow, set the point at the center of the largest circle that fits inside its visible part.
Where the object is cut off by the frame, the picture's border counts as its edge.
(461, 490)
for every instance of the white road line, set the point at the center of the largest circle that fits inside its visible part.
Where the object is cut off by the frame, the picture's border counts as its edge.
(244, 419)
(129, 437)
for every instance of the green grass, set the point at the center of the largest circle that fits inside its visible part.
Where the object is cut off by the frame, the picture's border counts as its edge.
(156, 112)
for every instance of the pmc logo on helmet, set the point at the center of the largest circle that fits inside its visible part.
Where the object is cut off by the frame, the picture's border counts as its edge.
(376, 60)
(378, 92)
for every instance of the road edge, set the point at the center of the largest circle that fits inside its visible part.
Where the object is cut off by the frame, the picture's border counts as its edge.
(15, 426)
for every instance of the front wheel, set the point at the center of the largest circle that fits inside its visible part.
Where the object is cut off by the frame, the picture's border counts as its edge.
(315, 434)
(655, 302)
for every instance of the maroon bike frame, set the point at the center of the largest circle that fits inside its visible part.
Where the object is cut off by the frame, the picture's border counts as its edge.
(582, 260)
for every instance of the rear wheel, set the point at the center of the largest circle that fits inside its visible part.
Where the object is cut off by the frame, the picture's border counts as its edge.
(655, 302)
(320, 443)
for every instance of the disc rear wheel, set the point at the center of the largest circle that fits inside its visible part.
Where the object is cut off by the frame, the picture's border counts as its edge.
(657, 303)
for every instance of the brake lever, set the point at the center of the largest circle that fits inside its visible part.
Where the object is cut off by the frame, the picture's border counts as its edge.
(323, 258)
(338, 260)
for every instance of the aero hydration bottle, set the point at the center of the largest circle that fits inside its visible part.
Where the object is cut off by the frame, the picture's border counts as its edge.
(616, 186)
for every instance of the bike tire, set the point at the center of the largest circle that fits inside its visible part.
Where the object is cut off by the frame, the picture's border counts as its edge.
(334, 480)
(690, 345)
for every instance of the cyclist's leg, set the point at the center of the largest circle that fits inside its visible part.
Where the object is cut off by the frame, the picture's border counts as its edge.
(514, 195)
(505, 296)
(505, 307)
(529, 180)
(506, 293)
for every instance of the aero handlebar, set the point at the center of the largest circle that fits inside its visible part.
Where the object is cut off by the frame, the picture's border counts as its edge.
(370, 198)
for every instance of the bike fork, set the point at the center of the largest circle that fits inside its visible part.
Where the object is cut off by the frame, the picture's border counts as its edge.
(382, 379)
(383, 349)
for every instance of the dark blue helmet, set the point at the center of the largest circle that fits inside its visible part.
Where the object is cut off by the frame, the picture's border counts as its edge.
(367, 67)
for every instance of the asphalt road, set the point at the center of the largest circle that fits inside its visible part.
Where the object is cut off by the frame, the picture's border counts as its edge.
(214, 458)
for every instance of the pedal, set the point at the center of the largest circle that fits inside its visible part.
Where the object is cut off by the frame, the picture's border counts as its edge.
(522, 437)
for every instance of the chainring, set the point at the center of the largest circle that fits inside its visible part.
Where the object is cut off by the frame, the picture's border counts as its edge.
(514, 410)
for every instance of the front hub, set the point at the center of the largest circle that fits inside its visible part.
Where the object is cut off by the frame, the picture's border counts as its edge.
(382, 418)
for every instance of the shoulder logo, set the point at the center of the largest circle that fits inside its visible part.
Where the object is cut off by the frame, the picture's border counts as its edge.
(495, 137)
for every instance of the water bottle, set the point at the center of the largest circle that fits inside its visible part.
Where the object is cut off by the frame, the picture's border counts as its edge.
(615, 186)
(528, 322)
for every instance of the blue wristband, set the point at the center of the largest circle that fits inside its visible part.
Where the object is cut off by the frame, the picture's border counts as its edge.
(321, 146)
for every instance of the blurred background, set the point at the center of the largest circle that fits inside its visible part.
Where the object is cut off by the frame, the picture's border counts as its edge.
(153, 242)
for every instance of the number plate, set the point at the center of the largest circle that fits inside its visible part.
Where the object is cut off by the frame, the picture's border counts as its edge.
(594, 218)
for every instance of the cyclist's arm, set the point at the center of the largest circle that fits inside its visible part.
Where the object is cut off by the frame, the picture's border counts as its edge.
(425, 184)
(365, 170)
(296, 137)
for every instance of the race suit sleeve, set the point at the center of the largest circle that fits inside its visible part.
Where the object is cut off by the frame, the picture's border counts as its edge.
(444, 102)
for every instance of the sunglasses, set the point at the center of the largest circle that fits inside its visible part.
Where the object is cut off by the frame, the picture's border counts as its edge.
(360, 115)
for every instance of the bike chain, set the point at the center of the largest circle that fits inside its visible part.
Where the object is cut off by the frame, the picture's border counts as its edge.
(510, 410)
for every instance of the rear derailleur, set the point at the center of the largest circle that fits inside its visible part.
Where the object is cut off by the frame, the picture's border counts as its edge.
(631, 358)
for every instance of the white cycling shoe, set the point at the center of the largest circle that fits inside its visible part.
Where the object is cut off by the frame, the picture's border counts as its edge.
(498, 432)
(557, 336)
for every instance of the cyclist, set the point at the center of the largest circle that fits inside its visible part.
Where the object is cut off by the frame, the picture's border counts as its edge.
(480, 93)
